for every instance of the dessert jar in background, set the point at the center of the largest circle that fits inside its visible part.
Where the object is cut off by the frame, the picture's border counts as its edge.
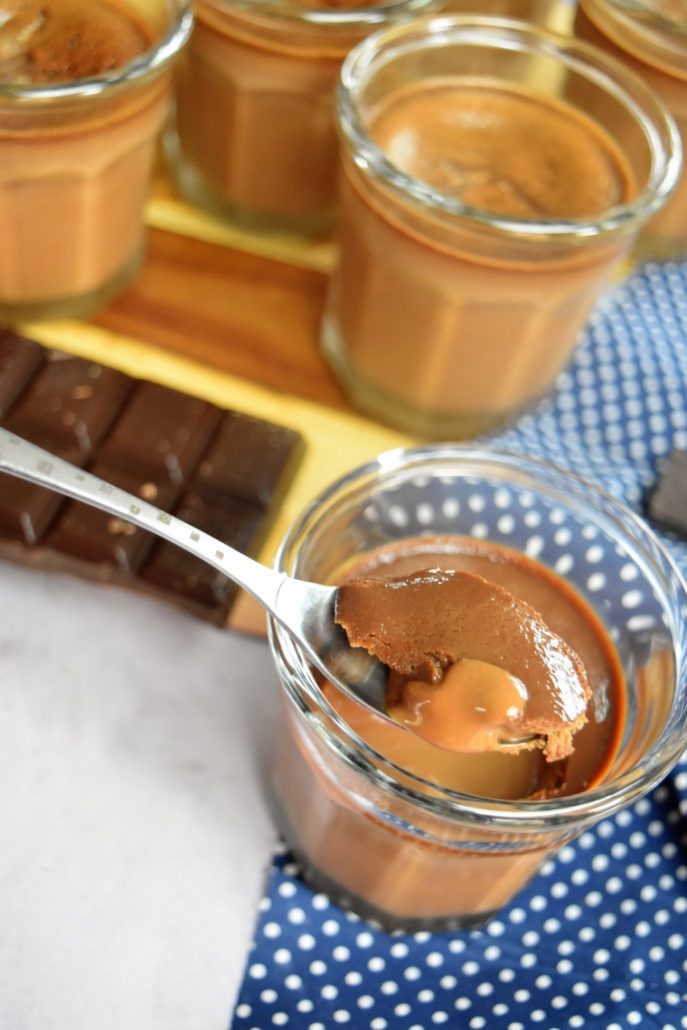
(255, 138)
(78, 132)
(552, 14)
(482, 212)
(650, 37)
(403, 832)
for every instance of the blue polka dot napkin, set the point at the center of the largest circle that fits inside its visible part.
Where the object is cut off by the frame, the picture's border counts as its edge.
(599, 938)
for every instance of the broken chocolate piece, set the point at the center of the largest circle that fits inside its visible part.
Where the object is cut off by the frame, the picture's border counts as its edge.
(668, 501)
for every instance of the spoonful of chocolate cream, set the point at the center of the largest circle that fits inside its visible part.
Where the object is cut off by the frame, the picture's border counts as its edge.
(473, 668)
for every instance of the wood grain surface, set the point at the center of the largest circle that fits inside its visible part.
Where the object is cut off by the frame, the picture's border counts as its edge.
(251, 316)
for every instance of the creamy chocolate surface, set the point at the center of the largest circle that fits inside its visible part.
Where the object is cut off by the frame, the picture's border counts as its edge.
(499, 148)
(505, 773)
(53, 41)
(477, 665)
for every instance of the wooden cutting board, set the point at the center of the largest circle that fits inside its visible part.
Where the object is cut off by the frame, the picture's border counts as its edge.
(233, 318)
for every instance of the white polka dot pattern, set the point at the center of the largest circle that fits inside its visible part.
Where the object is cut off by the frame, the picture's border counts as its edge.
(599, 938)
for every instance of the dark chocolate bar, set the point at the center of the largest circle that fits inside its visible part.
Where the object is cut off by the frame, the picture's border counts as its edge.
(222, 471)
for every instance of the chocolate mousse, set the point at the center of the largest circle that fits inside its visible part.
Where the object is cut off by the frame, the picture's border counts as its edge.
(502, 771)
(76, 156)
(501, 149)
(436, 322)
(478, 668)
(411, 866)
(74, 39)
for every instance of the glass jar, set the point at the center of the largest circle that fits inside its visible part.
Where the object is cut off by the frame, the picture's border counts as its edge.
(391, 843)
(650, 37)
(75, 167)
(254, 139)
(443, 317)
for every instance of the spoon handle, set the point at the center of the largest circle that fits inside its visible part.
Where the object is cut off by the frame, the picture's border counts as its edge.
(24, 459)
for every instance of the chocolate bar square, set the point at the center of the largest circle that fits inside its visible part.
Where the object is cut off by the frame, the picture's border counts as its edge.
(247, 459)
(96, 536)
(176, 571)
(160, 431)
(69, 404)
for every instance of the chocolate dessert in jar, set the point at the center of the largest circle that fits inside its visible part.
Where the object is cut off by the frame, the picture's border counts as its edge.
(84, 89)
(417, 835)
(255, 139)
(493, 177)
(650, 37)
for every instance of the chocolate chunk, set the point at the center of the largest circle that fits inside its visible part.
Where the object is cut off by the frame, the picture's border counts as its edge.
(176, 570)
(19, 360)
(247, 459)
(668, 501)
(152, 442)
(69, 404)
(97, 536)
(161, 431)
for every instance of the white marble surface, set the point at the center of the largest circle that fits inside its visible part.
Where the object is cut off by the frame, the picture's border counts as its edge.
(134, 742)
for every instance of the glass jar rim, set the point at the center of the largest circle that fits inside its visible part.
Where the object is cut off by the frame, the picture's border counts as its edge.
(639, 28)
(534, 816)
(652, 15)
(662, 134)
(349, 18)
(142, 66)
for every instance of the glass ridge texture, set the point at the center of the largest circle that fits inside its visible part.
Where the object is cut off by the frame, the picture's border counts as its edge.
(463, 857)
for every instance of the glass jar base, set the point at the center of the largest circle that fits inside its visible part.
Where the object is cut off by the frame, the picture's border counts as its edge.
(193, 187)
(80, 305)
(396, 411)
(350, 902)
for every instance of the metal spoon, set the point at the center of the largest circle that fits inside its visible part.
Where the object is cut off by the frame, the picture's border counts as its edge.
(305, 610)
